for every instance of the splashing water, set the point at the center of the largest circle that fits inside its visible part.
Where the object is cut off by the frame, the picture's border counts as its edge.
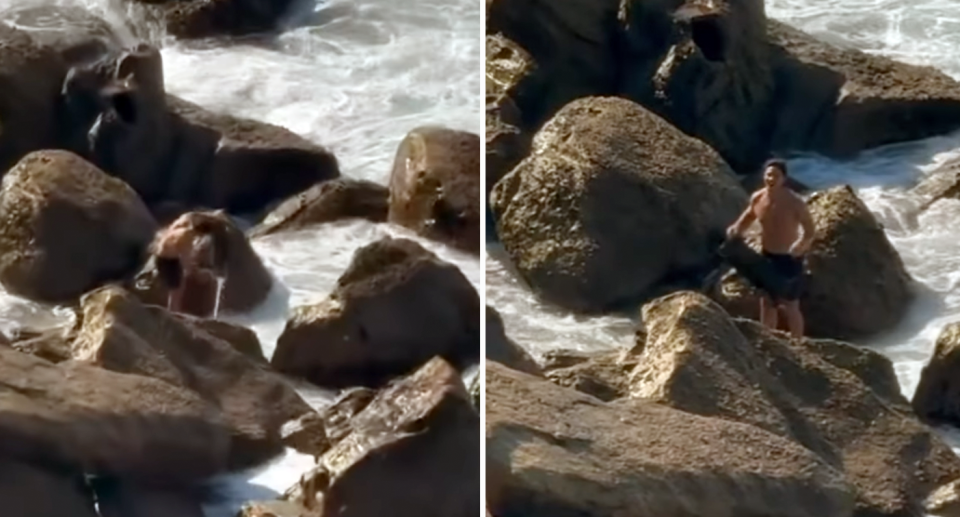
(352, 75)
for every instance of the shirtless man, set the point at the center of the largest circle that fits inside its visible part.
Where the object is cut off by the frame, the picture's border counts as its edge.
(781, 214)
(186, 259)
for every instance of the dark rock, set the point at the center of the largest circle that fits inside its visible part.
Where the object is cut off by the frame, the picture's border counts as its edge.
(555, 451)
(435, 186)
(119, 499)
(612, 203)
(416, 445)
(120, 334)
(80, 417)
(191, 19)
(68, 228)
(937, 397)
(326, 202)
(396, 306)
(29, 491)
(840, 401)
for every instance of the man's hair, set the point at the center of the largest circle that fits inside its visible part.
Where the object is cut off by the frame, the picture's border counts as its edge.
(777, 164)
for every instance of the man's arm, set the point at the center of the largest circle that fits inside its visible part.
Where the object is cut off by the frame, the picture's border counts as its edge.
(745, 220)
(809, 230)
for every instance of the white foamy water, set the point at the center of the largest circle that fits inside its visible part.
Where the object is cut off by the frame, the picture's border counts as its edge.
(923, 32)
(353, 75)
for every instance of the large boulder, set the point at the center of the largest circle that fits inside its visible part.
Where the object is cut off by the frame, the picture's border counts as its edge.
(722, 72)
(416, 446)
(191, 19)
(68, 227)
(327, 202)
(244, 165)
(75, 416)
(246, 280)
(855, 283)
(839, 401)
(29, 491)
(120, 334)
(435, 186)
(504, 350)
(555, 451)
(119, 499)
(937, 397)
(612, 203)
(396, 306)
(855, 101)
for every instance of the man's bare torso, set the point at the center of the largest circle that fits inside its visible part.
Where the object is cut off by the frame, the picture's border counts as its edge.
(779, 214)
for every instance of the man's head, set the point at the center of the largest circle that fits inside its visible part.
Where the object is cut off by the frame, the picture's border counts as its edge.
(774, 173)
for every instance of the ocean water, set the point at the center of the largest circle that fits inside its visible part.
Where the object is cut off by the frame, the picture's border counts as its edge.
(353, 75)
(922, 32)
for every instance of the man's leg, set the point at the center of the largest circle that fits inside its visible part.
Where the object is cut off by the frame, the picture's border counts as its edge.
(794, 317)
(768, 312)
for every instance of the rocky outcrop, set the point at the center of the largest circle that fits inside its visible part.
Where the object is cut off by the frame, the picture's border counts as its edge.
(189, 19)
(722, 72)
(29, 491)
(855, 283)
(315, 433)
(120, 334)
(70, 84)
(246, 280)
(504, 350)
(840, 401)
(860, 101)
(396, 306)
(416, 445)
(74, 416)
(937, 397)
(612, 203)
(555, 451)
(326, 202)
(435, 186)
(67, 227)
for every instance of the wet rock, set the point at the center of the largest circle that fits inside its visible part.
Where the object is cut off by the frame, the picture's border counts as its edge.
(307, 435)
(571, 45)
(315, 433)
(605, 376)
(119, 499)
(561, 452)
(435, 186)
(509, 70)
(246, 281)
(613, 202)
(326, 202)
(30, 491)
(120, 334)
(253, 163)
(242, 339)
(190, 19)
(416, 445)
(77, 416)
(396, 306)
(504, 350)
(839, 401)
(937, 397)
(339, 415)
(941, 183)
(944, 501)
(67, 227)
(855, 283)
(868, 100)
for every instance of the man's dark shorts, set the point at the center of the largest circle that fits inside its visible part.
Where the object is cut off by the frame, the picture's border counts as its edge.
(789, 269)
